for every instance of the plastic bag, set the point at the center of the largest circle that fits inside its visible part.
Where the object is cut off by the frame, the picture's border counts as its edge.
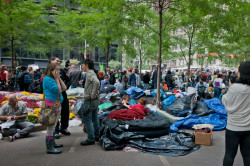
(153, 93)
(168, 101)
(104, 105)
(77, 105)
(183, 104)
(202, 109)
(75, 92)
(191, 90)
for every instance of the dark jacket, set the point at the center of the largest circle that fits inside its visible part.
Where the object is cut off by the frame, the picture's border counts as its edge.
(169, 80)
(112, 78)
(154, 79)
(132, 79)
(146, 79)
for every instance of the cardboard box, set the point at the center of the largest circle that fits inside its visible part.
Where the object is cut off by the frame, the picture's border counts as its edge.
(203, 138)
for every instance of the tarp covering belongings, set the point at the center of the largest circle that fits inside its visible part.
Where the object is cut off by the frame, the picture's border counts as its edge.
(135, 92)
(217, 119)
(174, 144)
(147, 135)
(168, 101)
(182, 106)
(164, 96)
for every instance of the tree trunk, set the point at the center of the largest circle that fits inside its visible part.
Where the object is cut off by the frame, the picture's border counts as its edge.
(159, 58)
(140, 61)
(107, 56)
(12, 51)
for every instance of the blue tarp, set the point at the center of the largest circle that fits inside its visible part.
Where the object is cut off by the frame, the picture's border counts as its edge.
(134, 92)
(218, 119)
(132, 102)
(153, 93)
(168, 101)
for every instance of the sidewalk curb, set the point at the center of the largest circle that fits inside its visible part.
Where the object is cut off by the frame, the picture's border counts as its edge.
(38, 127)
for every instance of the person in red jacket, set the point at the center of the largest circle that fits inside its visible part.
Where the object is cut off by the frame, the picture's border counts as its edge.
(141, 106)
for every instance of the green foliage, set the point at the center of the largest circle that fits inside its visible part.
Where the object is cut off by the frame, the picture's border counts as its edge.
(25, 24)
(72, 61)
(114, 64)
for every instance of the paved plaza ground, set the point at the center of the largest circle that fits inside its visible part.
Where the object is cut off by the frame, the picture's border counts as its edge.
(31, 152)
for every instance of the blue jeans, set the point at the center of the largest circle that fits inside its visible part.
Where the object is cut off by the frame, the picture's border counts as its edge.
(217, 92)
(155, 86)
(90, 118)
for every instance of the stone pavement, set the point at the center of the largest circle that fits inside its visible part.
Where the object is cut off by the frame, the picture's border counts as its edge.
(31, 152)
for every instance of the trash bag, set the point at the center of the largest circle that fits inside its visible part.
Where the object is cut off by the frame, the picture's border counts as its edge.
(202, 109)
(183, 104)
(113, 96)
(77, 105)
(191, 90)
(75, 92)
(135, 92)
(104, 105)
(168, 101)
(174, 144)
(109, 88)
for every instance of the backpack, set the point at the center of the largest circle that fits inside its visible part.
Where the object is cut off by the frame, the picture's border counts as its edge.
(27, 79)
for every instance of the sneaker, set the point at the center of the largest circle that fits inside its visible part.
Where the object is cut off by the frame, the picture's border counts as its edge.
(65, 132)
(11, 138)
(87, 142)
(1, 136)
(57, 136)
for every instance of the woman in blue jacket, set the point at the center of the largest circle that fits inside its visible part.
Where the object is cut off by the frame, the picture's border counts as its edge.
(52, 86)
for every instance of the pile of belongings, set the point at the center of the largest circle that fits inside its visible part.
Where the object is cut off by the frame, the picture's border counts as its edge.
(77, 92)
(150, 134)
(186, 106)
(135, 92)
(217, 115)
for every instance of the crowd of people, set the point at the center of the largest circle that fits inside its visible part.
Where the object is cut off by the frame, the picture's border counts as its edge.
(56, 80)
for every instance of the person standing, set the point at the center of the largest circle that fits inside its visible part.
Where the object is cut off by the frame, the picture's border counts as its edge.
(154, 78)
(13, 81)
(169, 80)
(132, 79)
(91, 102)
(124, 79)
(236, 102)
(4, 78)
(75, 77)
(218, 86)
(65, 104)
(53, 86)
(138, 78)
(146, 79)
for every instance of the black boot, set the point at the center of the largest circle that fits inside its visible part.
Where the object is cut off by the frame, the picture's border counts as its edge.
(87, 142)
(50, 146)
(57, 145)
